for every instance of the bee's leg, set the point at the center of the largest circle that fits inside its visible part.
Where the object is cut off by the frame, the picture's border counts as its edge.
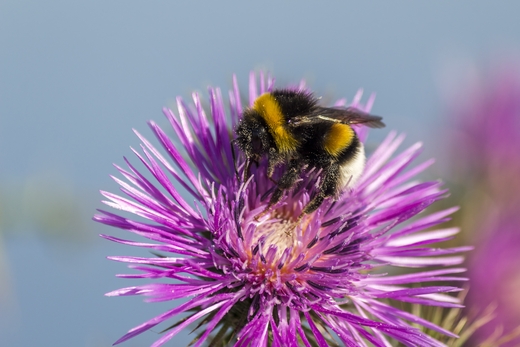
(273, 161)
(287, 180)
(327, 188)
(247, 169)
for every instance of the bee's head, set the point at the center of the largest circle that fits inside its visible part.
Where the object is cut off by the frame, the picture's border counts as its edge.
(253, 136)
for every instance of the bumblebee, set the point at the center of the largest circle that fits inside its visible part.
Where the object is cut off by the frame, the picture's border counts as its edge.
(291, 129)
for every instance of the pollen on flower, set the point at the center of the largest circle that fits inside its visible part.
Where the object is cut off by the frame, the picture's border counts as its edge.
(279, 234)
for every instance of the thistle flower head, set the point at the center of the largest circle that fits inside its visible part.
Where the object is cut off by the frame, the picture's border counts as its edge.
(278, 279)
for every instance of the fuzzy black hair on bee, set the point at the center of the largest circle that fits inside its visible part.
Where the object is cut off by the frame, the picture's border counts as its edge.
(291, 129)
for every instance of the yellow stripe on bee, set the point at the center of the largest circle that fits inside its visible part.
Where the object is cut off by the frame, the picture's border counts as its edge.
(338, 138)
(267, 106)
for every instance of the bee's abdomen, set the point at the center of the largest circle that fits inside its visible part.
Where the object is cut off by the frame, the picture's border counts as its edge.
(352, 164)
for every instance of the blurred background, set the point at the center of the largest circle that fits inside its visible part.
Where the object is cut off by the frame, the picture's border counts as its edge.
(76, 77)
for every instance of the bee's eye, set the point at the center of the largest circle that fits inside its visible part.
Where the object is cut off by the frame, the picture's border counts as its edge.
(258, 132)
(257, 139)
(256, 144)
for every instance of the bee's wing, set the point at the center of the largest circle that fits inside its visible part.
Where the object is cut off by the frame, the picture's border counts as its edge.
(347, 115)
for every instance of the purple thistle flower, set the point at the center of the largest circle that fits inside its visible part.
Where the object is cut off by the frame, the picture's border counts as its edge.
(278, 280)
(487, 175)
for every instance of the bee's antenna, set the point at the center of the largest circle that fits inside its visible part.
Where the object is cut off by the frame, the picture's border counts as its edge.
(246, 169)
(232, 144)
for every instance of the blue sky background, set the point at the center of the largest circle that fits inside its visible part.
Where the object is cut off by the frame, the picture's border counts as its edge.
(77, 76)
